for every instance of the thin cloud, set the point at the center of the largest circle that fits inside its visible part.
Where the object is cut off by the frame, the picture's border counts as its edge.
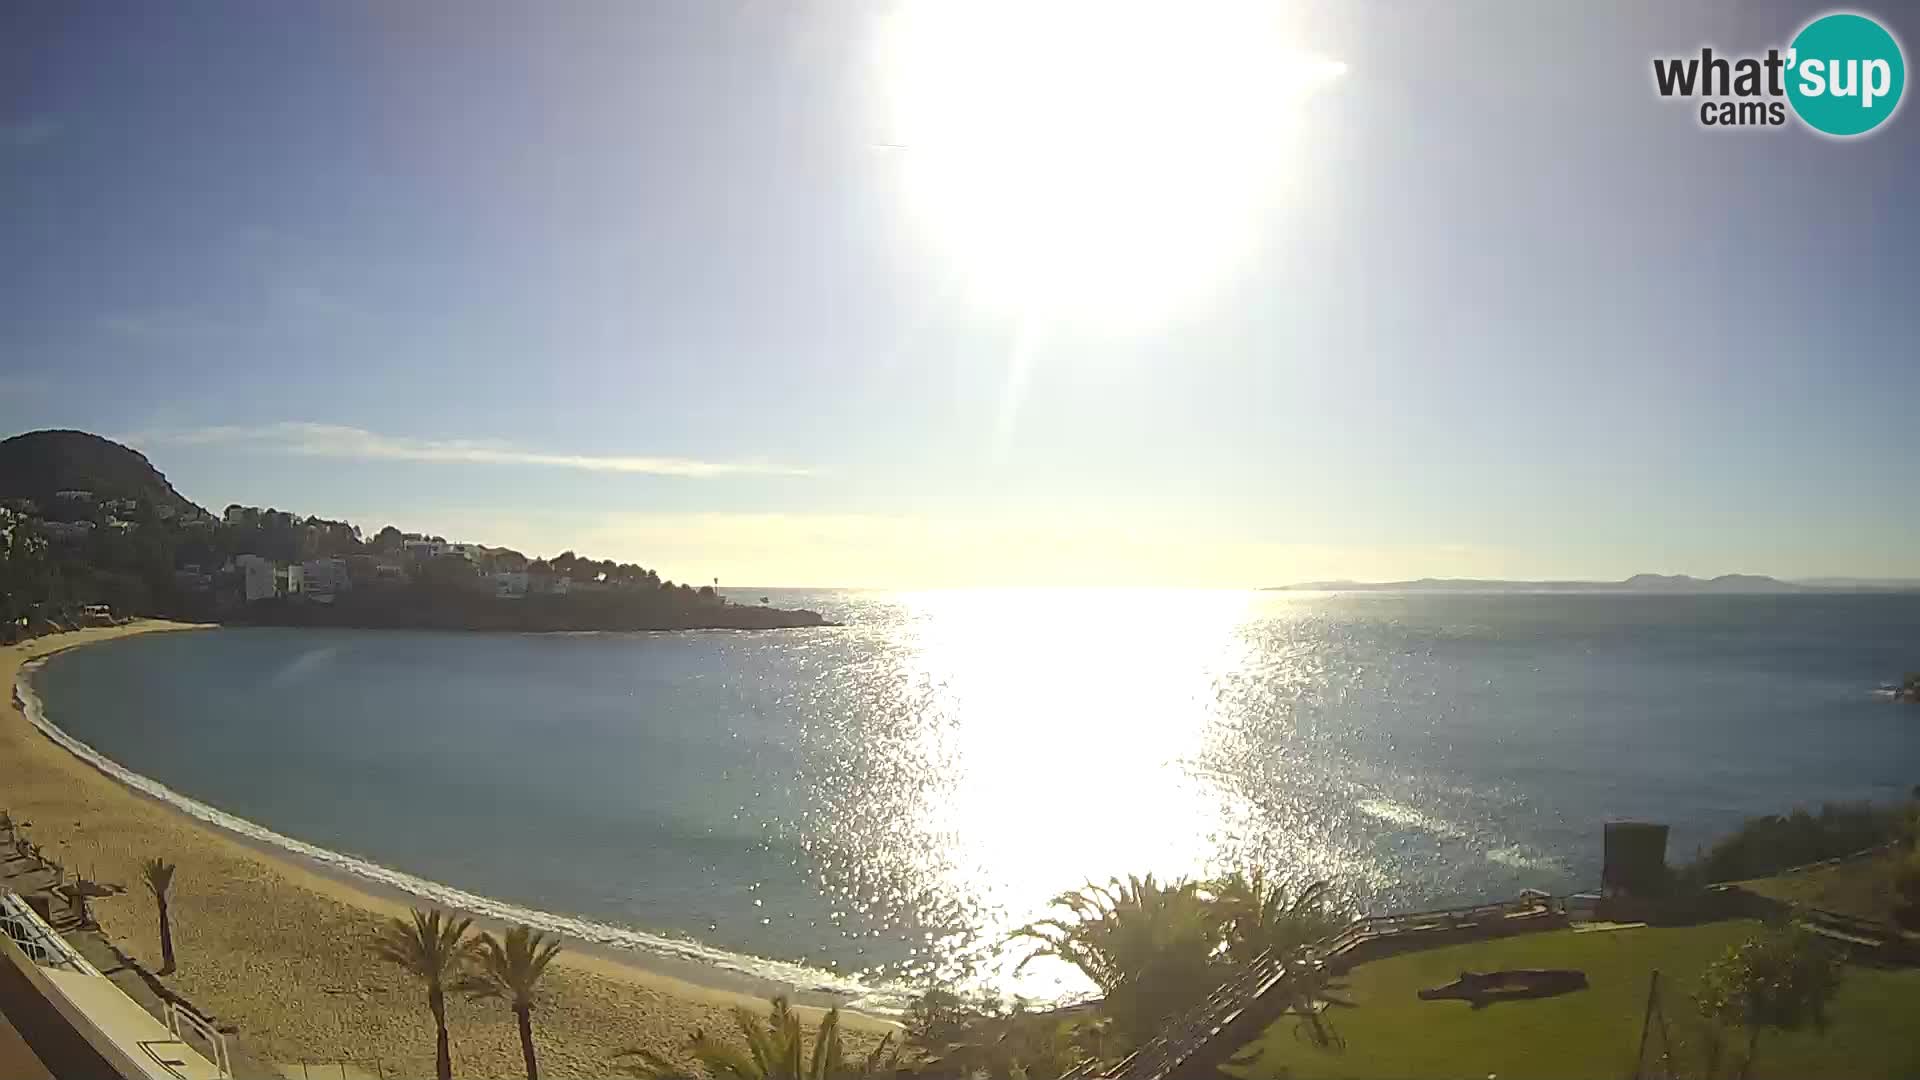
(341, 441)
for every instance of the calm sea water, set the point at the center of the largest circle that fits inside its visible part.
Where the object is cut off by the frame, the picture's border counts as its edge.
(889, 798)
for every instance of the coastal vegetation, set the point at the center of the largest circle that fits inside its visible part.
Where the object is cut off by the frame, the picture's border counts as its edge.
(983, 1036)
(509, 969)
(1783, 980)
(1157, 950)
(1767, 844)
(1154, 949)
(85, 521)
(157, 873)
(775, 1048)
(434, 948)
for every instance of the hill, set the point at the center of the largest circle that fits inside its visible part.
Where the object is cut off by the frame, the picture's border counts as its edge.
(278, 567)
(39, 463)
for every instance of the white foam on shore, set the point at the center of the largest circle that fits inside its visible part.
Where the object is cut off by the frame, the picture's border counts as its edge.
(798, 976)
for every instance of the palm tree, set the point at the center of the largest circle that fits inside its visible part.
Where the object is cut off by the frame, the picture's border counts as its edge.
(431, 948)
(158, 874)
(1154, 950)
(510, 971)
(1258, 919)
(775, 1050)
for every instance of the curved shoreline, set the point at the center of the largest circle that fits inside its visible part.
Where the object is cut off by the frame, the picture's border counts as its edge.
(747, 974)
(118, 815)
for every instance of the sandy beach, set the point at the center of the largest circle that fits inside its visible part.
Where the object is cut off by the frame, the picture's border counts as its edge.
(280, 949)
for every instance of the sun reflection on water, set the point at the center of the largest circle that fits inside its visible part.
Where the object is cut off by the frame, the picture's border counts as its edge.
(1066, 757)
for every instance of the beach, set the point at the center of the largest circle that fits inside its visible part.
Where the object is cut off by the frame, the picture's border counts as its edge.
(280, 949)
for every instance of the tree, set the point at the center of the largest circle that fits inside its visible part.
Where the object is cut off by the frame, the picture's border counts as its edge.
(511, 971)
(433, 947)
(388, 539)
(1783, 980)
(158, 874)
(1257, 918)
(981, 1039)
(776, 1050)
(1154, 950)
(26, 578)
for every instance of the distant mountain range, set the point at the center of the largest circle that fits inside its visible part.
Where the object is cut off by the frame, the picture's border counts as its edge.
(1638, 583)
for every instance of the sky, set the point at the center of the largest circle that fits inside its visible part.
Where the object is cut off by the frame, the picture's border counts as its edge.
(896, 295)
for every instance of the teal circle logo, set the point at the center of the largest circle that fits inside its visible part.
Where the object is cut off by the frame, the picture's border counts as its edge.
(1845, 74)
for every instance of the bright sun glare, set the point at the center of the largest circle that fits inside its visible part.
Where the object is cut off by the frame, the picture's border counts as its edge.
(1098, 161)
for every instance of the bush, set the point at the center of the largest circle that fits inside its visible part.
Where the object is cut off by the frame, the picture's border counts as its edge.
(1766, 845)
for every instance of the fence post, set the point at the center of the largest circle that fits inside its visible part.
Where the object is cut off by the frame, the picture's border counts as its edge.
(1646, 1026)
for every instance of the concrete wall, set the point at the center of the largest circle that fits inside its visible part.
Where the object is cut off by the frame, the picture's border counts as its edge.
(57, 1040)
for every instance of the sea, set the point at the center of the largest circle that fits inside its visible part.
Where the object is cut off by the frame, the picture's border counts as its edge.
(870, 808)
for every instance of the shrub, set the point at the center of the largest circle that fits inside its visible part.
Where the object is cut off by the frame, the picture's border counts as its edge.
(1154, 950)
(1768, 844)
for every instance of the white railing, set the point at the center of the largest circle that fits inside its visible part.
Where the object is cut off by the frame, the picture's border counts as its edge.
(37, 939)
(183, 1022)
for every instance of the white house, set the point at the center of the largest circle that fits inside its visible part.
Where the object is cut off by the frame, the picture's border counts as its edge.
(510, 584)
(76, 494)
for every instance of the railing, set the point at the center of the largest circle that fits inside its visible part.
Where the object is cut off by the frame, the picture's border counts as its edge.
(183, 1021)
(1236, 1000)
(37, 939)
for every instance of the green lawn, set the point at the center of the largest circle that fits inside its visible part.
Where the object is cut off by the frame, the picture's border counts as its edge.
(1862, 887)
(1589, 1033)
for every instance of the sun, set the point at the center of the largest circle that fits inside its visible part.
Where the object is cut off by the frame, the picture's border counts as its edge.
(1100, 161)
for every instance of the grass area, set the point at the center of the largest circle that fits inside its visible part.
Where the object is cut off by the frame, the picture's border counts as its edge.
(1589, 1033)
(1862, 888)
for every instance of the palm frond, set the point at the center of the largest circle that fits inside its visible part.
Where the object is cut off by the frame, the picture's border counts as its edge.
(510, 969)
(158, 874)
(431, 946)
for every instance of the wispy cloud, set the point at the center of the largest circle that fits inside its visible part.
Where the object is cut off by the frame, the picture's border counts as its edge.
(341, 441)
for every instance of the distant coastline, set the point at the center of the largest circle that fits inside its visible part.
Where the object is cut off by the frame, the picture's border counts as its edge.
(1639, 583)
(426, 608)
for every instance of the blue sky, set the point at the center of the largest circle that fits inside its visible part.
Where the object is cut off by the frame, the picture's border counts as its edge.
(653, 281)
